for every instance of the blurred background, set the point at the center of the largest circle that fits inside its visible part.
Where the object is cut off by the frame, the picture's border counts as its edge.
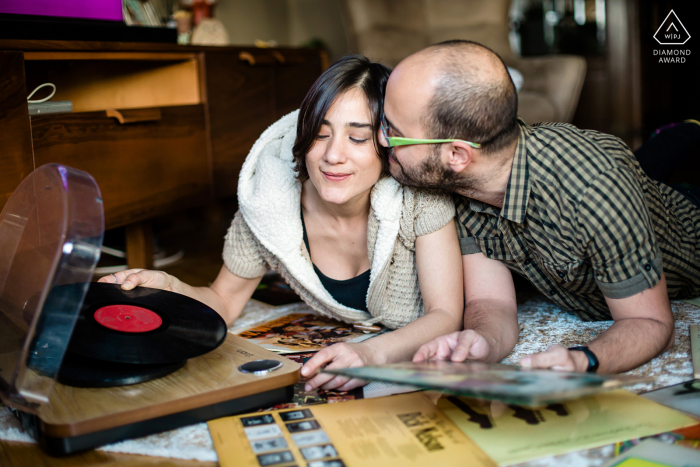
(620, 89)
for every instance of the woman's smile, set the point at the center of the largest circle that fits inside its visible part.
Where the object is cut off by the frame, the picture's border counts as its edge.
(335, 177)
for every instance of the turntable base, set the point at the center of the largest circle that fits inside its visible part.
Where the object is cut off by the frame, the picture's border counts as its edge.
(207, 387)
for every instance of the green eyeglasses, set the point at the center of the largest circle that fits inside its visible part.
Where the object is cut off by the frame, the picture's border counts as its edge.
(399, 141)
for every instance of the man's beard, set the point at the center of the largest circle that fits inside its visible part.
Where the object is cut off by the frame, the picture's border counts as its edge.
(432, 174)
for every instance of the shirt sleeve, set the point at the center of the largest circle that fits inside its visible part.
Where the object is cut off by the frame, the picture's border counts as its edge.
(433, 212)
(467, 244)
(242, 254)
(616, 232)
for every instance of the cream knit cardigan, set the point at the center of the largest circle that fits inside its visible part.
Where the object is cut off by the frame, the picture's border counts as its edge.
(266, 233)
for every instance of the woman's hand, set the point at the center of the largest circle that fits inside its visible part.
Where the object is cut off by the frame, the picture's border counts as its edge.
(144, 278)
(339, 355)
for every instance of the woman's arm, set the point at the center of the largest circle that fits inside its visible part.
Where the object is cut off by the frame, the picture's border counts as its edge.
(439, 264)
(227, 295)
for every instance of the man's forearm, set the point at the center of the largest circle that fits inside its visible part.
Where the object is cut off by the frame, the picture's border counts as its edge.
(629, 343)
(497, 322)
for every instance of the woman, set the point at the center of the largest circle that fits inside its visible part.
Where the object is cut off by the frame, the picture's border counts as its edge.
(317, 205)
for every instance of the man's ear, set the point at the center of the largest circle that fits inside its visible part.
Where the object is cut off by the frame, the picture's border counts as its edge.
(459, 155)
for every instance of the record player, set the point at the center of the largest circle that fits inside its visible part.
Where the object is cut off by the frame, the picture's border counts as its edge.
(51, 231)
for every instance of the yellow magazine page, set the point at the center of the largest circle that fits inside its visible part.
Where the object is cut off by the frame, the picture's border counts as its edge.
(511, 434)
(636, 462)
(391, 431)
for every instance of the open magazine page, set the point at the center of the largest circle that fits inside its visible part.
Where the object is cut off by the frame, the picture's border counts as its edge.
(397, 431)
(558, 428)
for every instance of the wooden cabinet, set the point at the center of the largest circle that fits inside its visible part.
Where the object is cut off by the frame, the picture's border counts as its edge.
(160, 127)
(15, 135)
(247, 92)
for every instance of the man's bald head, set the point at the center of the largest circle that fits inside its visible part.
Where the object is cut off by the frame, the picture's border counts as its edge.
(472, 96)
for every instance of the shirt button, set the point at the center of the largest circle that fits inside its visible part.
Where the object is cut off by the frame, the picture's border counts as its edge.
(527, 262)
(489, 251)
(552, 292)
(647, 267)
(561, 274)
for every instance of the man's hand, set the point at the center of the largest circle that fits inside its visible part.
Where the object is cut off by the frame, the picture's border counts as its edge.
(141, 277)
(339, 355)
(457, 346)
(557, 357)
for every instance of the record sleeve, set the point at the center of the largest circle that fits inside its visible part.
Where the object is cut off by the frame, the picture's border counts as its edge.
(495, 381)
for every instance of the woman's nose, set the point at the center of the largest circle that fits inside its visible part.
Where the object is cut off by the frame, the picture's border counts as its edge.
(335, 151)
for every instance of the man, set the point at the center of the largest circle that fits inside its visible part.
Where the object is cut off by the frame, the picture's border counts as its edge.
(569, 209)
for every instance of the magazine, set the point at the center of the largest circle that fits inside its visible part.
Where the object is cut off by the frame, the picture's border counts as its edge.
(508, 383)
(393, 431)
(558, 428)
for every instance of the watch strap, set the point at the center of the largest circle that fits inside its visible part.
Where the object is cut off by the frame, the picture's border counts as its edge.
(593, 362)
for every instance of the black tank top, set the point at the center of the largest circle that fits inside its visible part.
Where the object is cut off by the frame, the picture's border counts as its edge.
(351, 292)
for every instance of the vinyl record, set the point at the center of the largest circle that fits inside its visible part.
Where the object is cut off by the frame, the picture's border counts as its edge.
(84, 372)
(144, 326)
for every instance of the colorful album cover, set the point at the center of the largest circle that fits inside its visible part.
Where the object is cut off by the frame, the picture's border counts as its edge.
(302, 397)
(403, 430)
(301, 332)
(653, 453)
(559, 428)
(683, 396)
(495, 381)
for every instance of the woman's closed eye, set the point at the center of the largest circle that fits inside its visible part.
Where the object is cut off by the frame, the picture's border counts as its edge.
(321, 136)
(358, 140)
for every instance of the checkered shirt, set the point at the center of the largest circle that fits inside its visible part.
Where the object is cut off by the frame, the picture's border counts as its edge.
(582, 221)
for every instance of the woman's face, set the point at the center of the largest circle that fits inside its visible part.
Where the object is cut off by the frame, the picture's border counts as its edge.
(343, 163)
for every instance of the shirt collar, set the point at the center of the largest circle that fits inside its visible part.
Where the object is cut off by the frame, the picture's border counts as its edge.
(518, 189)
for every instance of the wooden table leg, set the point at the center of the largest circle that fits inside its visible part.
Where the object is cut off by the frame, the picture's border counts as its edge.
(139, 245)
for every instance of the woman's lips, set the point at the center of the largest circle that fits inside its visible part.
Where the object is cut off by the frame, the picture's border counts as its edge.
(333, 177)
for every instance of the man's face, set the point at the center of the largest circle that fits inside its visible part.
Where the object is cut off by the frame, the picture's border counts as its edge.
(420, 165)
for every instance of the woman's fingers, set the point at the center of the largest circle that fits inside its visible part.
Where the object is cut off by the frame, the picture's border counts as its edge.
(138, 277)
(334, 357)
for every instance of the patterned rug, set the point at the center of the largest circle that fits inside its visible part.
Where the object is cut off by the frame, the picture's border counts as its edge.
(541, 324)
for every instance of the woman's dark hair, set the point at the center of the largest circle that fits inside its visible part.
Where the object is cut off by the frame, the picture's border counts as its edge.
(351, 71)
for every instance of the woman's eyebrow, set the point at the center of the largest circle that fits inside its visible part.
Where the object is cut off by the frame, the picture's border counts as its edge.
(358, 125)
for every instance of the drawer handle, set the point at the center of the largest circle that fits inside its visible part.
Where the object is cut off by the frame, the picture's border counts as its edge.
(278, 56)
(259, 60)
(135, 115)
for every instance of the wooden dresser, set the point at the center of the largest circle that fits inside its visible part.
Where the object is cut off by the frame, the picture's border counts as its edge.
(161, 127)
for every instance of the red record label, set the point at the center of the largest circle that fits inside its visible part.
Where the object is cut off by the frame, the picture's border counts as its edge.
(128, 318)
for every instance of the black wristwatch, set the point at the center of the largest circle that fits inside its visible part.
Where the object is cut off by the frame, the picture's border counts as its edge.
(593, 363)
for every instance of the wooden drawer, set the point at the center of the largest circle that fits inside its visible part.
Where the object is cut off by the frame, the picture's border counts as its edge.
(15, 140)
(155, 162)
(247, 92)
(294, 77)
(241, 107)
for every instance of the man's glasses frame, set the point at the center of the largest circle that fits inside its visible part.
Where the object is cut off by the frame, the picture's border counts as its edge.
(393, 141)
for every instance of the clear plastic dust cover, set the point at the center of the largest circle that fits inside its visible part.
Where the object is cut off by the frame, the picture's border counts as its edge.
(51, 231)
